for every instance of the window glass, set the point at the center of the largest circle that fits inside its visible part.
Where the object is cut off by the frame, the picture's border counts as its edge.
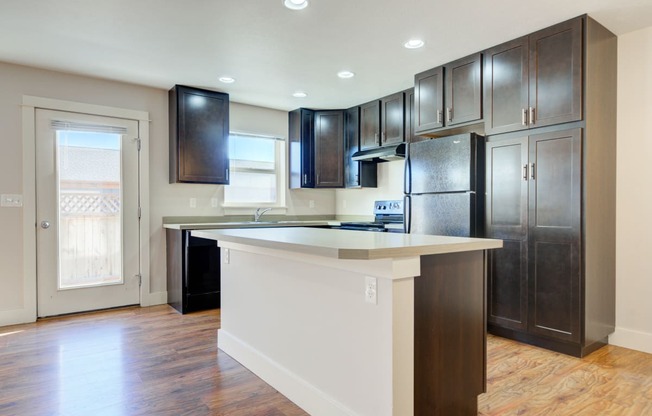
(255, 170)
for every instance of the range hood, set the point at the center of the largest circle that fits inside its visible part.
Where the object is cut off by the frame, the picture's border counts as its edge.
(380, 154)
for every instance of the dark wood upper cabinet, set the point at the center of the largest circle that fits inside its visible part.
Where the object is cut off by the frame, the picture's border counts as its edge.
(316, 154)
(429, 100)
(410, 135)
(301, 151)
(370, 125)
(329, 149)
(506, 84)
(392, 119)
(534, 81)
(199, 134)
(556, 74)
(356, 174)
(449, 95)
(463, 96)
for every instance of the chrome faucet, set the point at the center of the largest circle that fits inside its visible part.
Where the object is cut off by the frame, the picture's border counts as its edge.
(259, 213)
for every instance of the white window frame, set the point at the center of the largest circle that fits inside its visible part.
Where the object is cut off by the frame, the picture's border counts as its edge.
(280, 164)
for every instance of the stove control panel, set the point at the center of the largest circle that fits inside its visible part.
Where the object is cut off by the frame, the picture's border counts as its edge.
(388, 207)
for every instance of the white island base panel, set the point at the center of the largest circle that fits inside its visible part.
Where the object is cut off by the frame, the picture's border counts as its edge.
(302, 323)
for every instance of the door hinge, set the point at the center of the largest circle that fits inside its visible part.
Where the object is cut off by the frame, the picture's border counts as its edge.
(140, 279)
(138, 142)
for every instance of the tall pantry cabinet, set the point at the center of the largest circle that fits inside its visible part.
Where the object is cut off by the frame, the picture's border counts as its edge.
(550, 112)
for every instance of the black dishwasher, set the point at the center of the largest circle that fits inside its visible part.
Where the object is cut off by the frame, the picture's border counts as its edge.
(193, 273)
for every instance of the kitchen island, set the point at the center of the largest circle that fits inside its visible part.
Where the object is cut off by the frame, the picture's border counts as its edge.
(353, 323)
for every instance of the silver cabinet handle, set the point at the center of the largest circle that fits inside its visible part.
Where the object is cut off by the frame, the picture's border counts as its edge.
(376, 138)
(531, 115)
(532, 171)
(45, 224)
(525, 172)
(439, 114)
(383, 138)
(449, 114)
(305, 178)
(524, 116)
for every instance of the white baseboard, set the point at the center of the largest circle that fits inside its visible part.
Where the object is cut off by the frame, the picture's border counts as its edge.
(156, 298)
(298, 390)
(17, 316)
(629, 338)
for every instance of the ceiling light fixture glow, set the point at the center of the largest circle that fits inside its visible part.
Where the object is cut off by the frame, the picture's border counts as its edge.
(300, 94)
(296, 4)
(227, 80)
(345, 74)
(414, 44)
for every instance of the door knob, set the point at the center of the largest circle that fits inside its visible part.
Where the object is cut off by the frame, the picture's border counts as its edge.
(45, 225)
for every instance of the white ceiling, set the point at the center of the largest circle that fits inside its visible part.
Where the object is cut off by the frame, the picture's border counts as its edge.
(273, 51)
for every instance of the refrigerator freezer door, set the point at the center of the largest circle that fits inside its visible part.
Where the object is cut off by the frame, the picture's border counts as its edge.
(446, 164)
(452, 214)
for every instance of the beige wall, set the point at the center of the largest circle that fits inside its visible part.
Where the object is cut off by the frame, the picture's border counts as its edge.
(360, 201)
(165, 199)
(634, 194)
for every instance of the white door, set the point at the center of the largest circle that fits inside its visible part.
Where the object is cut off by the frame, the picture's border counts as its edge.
(87, 175)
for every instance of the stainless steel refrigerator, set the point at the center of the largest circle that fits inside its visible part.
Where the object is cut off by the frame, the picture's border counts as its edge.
(444, 186)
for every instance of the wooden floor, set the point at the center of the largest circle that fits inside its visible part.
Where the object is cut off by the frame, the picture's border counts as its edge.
(153, 361)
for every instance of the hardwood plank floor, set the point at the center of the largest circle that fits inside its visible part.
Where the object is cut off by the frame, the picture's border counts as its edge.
(153, 361)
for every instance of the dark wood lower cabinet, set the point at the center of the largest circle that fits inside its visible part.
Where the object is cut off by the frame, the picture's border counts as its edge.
(449, 311)
(537, 290)
(193, 272)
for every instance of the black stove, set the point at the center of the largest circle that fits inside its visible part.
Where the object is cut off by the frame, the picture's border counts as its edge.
(388, 217)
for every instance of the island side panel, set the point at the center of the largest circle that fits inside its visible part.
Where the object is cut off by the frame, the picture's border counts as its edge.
(450, 335)
(306, 330)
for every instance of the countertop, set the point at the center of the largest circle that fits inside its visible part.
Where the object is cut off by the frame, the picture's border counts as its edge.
(250, 224)
(346, 244)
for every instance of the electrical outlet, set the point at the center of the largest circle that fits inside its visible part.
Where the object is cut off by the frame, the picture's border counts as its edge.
(227, 256)
(213, 202)
(11, 200)
(193, 202)
(371, 290)
(311, 204)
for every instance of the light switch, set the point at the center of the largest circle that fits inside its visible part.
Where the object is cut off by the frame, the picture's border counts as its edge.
(11, 200)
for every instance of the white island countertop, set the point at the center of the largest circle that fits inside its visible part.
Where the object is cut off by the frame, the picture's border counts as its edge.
(346, 244)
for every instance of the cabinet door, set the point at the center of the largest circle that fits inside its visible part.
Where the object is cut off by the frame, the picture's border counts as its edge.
(392, 119)
(506, 219)
(370, 125)
(556, 74)
(429, 100)
(554, 234)
(301, 155)
(199, 134)
(506, 84)
(410, 135)
(329, 149)
(464, 90)
(351, 145)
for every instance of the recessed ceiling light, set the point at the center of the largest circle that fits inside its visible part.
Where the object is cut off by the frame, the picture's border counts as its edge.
(296, 4)
(345, 74)
(414, 43)
(300, 94)
(227, 80)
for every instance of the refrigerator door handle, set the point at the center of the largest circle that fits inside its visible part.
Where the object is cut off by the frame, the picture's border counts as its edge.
(407, 218)
(407, 173)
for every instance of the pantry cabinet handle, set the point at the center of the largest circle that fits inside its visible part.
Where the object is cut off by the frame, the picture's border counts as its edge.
(376, 138)
(382, 138)
(532, 167)
(531, 115)
(524, 116)
(439, 114)
(305, 179)
(525, 172)
(449, 114)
